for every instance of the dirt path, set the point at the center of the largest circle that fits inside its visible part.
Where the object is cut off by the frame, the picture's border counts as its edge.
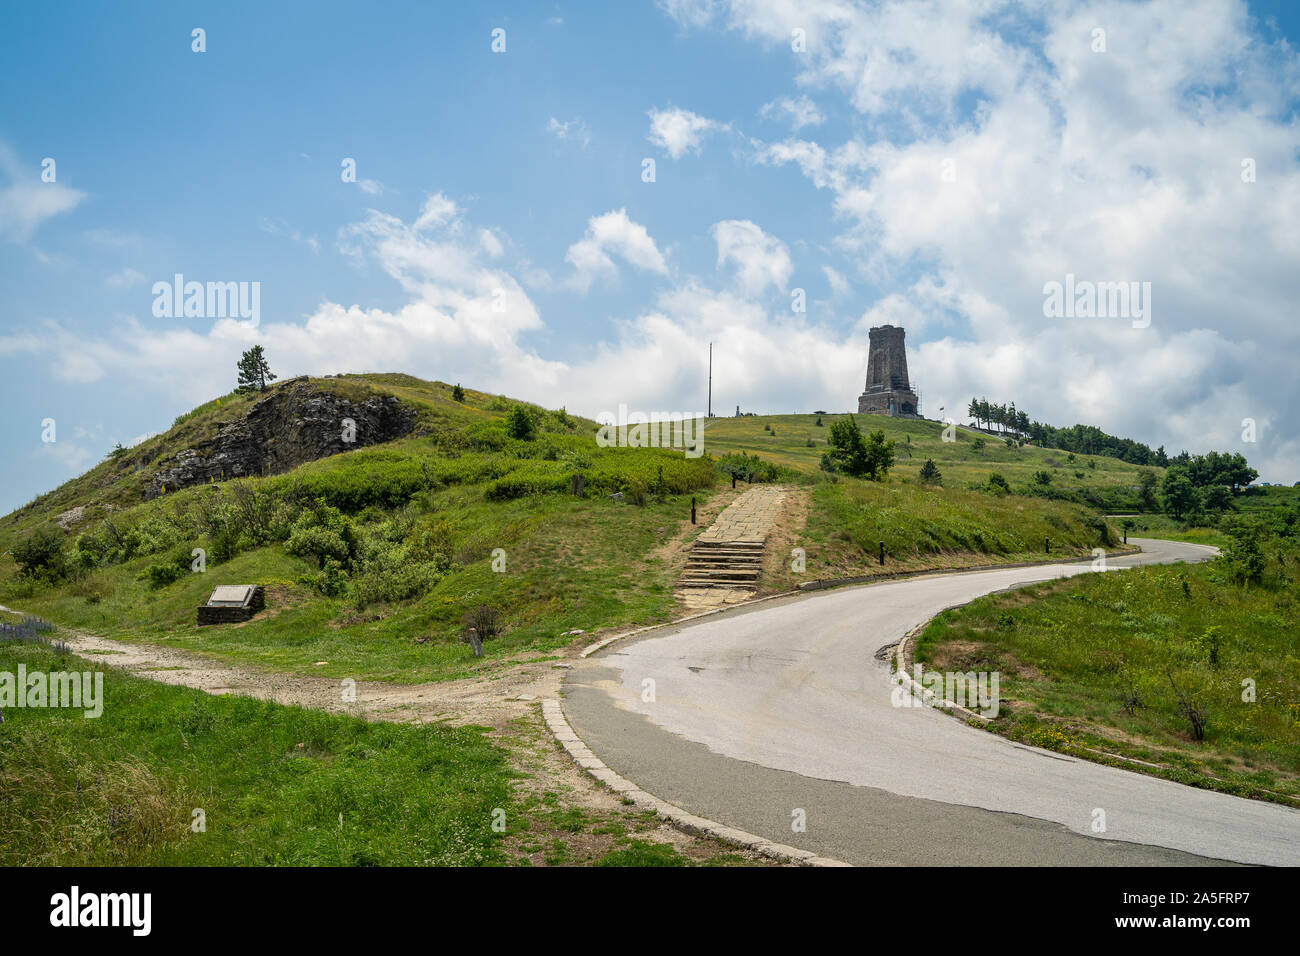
(491, 700)
(507, 702)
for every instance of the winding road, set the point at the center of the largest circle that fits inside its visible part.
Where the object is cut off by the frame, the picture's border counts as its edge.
(766, 716)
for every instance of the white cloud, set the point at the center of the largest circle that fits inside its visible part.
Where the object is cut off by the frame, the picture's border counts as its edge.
(491, 243)
(574, 130)
(1123, 165)
(839, 284)
(678, 131)
(27, 202)
(760, 260)
(75, 458)
(608, 235)
(798, 112)
(450, 329)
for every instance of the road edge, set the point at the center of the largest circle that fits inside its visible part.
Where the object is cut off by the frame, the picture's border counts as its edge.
(828, 583)
(558, 724)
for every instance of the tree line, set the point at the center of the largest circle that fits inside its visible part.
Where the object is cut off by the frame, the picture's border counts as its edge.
(1006, 419)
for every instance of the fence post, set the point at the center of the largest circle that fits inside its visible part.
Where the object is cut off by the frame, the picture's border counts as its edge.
(882, 552)
(1047, 545)
(692, 511)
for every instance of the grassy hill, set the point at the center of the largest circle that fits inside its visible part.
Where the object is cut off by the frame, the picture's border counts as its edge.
(796, 441)
(372, 559)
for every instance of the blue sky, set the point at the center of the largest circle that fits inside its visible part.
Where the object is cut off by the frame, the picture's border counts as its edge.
(501, 234)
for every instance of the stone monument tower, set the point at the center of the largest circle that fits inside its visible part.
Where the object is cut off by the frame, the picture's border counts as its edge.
(888, 390)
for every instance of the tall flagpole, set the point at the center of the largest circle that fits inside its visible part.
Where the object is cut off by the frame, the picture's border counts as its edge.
(710, 415)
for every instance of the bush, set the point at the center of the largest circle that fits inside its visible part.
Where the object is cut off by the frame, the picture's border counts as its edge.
(433, 541)
(458, 394)
(323, 534)
(161, 575)
(520, 424)
(485, 620)
(748, 467)
(1105, 533)
(852, 454)
(930, 474)
(998, 485)
(1243, 558)
(40, 555)
(392, 575)
(534, 480)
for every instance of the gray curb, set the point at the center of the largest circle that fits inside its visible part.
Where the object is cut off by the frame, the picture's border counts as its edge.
(689, 822)
(904, 658)
(600, 645)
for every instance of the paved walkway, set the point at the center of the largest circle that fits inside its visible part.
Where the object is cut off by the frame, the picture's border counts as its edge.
(749, 518)
(732, 547)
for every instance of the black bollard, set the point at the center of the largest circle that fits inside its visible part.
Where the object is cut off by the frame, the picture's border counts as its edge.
(1047, 545)
(882, 552)
(733, 481)
(692, 511)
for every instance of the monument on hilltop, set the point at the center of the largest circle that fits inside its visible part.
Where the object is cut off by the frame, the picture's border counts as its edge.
(888, 390)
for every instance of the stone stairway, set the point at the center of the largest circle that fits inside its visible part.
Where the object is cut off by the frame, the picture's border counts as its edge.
(725, 562)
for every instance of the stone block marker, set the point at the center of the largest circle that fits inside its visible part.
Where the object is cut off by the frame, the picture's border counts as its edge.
(232, 603)
(727, 557)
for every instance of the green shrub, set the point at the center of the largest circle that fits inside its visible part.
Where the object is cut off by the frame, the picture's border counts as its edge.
(323, 534)
(40, 555)
(748, 467)
(161, 575)
(535, 480)
(433, 541)
(852, 453)
(391, 574)
(520, 424)
(1105, 533)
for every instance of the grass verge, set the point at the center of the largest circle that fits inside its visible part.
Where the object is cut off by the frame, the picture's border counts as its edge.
(1127, 665)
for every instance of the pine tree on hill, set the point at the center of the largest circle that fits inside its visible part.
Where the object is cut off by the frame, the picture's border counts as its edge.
(254, 372)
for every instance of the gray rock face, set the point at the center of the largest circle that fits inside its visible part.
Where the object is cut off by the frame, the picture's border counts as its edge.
(295, 424)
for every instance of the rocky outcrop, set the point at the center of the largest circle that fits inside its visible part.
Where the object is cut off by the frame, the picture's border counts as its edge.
(297, 423)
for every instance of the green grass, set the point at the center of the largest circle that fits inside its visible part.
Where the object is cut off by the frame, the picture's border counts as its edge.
(1163, 526)
(924, 528)
(1085, 666)
(278, 785)
(1111, 480)
(569, 564)
(587, 564)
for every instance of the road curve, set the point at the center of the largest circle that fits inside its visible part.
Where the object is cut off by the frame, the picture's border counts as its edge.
(769, 715)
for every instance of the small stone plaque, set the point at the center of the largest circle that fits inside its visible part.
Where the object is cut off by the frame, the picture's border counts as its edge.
(230, 595)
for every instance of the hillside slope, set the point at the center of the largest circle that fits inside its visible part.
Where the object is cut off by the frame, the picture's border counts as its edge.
(375, 558)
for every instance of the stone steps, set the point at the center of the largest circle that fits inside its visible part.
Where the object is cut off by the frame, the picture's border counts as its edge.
(727, 558)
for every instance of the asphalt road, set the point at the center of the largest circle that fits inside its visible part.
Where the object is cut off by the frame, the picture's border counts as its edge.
(765, 715)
